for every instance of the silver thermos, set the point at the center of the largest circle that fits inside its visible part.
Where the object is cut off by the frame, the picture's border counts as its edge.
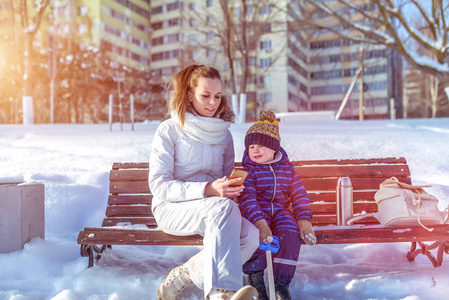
(344, 200)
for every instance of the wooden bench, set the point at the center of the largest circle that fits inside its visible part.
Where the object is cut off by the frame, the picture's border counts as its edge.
(129, 204)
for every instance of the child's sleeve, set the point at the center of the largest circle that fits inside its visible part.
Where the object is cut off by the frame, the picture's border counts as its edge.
(299, 198)
(249, 206)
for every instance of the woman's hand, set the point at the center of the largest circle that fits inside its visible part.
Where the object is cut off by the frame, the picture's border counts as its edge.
(221, 187)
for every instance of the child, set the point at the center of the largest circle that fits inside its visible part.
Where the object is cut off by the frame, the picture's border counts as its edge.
(270, 187)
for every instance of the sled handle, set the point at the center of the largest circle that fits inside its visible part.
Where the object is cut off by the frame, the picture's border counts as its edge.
(273, 246)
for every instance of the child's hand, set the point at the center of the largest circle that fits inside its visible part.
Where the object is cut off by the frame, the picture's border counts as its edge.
(265, 235)
(306, 232)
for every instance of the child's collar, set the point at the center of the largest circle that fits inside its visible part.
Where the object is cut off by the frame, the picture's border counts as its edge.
(277, 157)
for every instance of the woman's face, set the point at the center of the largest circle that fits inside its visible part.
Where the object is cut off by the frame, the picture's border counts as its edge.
(206, 97)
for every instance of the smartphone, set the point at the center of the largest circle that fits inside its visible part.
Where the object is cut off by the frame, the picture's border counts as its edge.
(238, 173)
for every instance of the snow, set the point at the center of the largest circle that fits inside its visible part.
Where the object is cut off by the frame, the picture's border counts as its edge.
(73, 162)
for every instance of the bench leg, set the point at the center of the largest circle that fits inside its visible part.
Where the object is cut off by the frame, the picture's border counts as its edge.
(425, 249)
(90, 250)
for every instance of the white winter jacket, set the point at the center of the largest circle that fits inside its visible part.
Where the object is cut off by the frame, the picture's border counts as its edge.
(180, 167)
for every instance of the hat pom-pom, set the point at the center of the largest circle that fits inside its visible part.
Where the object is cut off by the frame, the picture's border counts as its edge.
(267, 116)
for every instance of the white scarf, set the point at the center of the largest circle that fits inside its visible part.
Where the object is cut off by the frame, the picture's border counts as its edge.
(204, 130)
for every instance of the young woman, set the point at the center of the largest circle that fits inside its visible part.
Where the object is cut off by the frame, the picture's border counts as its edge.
(192, 155)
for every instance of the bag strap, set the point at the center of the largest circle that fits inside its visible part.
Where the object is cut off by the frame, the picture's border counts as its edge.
(445, 215)
(394, 180)
(361, 217)
(418, 202)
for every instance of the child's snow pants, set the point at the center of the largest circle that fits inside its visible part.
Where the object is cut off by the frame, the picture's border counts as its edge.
(284, 226)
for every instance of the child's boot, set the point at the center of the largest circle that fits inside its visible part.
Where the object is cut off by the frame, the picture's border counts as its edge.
(282, 291)
(256, 280)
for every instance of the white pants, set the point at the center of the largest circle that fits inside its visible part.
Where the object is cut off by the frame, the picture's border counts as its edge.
(219, 221)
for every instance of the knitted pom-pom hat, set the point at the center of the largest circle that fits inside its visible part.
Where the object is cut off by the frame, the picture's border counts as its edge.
(265, 132)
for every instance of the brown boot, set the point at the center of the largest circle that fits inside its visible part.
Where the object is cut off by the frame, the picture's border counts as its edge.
(176, 280)
(245, 293)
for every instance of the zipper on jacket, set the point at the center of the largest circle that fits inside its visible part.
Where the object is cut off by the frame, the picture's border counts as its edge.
(274, 190)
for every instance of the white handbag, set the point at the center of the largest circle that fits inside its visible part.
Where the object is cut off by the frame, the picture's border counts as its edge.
(402, 204)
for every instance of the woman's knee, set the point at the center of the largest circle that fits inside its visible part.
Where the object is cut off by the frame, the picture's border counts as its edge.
(249, 239)
(221, 205)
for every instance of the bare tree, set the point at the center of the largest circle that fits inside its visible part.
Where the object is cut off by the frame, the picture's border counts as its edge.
(30, 26)
(389, 23)
(393, 23)
(238, 30)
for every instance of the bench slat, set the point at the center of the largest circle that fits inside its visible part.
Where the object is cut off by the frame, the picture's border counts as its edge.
(130, 165)
(329, 196)
(304, 171)
(353, 171)
(114, 236)
(330, 184)
(325, 235)
(383, 160)
(148, 221)
(129, 187)
(311, 184)
(317, 208)
(128, 211)
(358, 161)
(129, 199)
(378, 234)
(128, 175)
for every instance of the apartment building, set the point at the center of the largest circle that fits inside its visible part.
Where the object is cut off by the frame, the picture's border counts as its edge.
(192, 32)
(290, 70)
(120, 27)
(334, 62)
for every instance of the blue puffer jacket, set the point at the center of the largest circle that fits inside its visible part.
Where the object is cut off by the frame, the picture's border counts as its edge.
(279, 178)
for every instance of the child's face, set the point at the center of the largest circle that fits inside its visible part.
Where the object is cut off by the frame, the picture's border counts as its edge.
(260, 154)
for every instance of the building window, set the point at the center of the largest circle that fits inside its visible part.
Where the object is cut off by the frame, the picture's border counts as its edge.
(265, 45)
(192, 22)
(265, 10)
(209, 3)
(174, 22)
(237, 12)
(192, 6)
(157, 25)
(173, 6)
(156, 10)
(264, 81)
(265, 62)
(82, 28)
(266, 97)
(209, 36)
(252, 61)
(210, 52)
(250, 10)
(82, 11)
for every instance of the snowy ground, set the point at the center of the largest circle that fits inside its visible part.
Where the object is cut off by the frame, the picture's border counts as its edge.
(73, 161)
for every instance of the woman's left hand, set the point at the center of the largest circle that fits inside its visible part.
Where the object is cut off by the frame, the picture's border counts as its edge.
(221, 187)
